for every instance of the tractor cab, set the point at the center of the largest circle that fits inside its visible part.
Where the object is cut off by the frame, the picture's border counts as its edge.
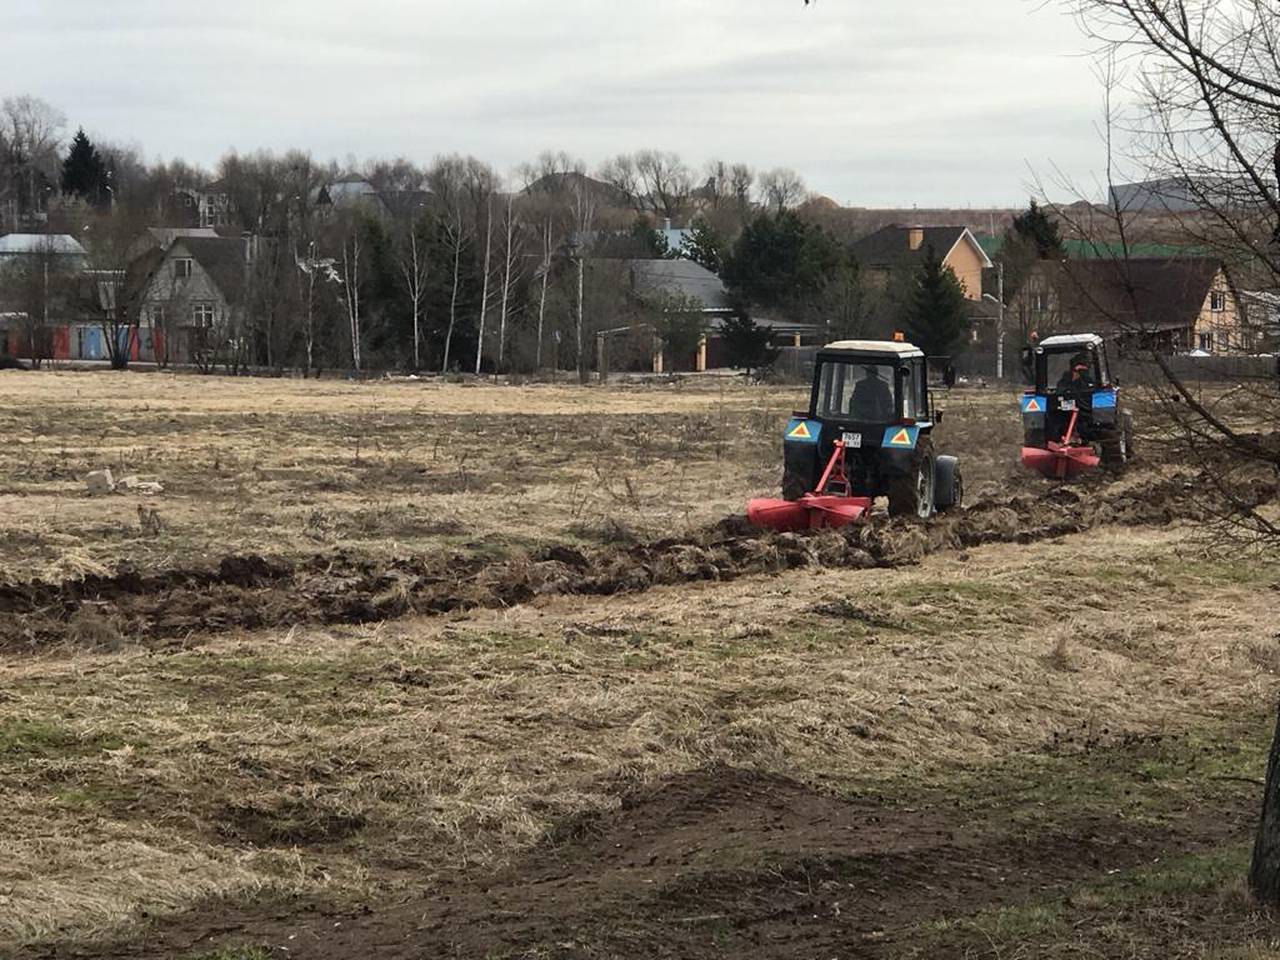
(1071, 414)
(1071, 365)
(870, 409)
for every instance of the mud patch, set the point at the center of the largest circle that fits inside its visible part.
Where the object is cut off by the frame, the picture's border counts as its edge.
(247, 592)
(720, 862)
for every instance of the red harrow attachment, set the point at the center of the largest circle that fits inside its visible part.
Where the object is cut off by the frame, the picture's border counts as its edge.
(1061, 459)
(817, 510)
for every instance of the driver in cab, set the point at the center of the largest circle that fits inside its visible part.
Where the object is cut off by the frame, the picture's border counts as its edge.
(872, 399)
(1078, 377)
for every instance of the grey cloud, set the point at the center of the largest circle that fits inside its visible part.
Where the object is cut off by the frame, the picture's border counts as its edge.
(928, 101)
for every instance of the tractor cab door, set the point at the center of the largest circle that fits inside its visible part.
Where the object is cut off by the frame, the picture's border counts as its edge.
(1104, 368)
(913, 389)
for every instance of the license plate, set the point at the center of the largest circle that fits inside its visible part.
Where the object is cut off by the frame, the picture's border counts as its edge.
(1066, 405)
(852, 440)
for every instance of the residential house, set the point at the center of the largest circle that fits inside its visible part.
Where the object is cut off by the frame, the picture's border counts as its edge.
(896, 248)
(1180, 195)
(350, 193)
(668, 284)
(37, 274)
(1262, 310)
(1174, 305)
(191, 294)
(189, 206)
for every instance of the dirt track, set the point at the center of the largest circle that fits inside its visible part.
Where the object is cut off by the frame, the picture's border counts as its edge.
(247, 592)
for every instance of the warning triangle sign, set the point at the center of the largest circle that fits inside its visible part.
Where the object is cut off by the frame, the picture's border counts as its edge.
(801, 432)
(901, 439)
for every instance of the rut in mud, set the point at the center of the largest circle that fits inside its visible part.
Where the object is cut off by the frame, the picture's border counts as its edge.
(247, 592)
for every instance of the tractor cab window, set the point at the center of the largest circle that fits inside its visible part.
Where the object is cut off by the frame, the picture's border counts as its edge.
(857, 391)
(1075, 370)
(912, 402)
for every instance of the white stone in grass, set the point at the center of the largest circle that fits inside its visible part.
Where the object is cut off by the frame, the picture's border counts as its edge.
(99, 482)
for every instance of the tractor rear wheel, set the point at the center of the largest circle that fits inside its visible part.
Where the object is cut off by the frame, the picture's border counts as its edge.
(913, 494)
(948, 484)
(1115, 449)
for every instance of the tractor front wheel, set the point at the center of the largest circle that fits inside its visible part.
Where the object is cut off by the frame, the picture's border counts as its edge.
(912, 494)
(794, 484)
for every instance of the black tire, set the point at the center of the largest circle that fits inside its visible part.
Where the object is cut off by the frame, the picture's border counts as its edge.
(1126, 429)
(1114, 449)
(948, 484)
(913, 495)
(794, 486)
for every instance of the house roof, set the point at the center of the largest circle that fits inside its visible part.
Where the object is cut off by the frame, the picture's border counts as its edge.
(1151, 294)
(222, 258)
(891, 246)
(62, 244)
(655, 278)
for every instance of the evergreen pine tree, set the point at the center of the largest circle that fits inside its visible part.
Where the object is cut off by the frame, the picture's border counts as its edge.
(1040, 230)
(83, 172)
(747, 345)
(704, 246)
(936, 317)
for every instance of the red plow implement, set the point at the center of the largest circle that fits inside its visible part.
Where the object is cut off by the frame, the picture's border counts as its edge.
(817, 510)
(1062, 459)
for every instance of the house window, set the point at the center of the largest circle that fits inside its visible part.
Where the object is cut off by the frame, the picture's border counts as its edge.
(157, 314)
(202, 314)
(1039, 302)
(1218, 301)
(182, 268)
(1206, 342)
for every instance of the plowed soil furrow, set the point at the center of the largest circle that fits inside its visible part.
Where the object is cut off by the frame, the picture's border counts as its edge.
(247, 592)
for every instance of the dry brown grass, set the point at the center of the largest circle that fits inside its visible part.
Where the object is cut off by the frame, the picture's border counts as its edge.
(293, 467)
(357, 760)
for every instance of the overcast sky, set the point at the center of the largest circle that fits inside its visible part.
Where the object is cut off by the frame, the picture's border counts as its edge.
(874, 102)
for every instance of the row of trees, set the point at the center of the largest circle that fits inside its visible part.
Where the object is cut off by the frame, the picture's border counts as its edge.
(455, 266)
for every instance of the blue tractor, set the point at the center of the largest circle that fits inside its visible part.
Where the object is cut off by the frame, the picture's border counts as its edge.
(1071, 416)
(868, 432)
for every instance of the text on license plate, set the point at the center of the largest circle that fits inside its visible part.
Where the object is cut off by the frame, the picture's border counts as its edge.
(852, 440)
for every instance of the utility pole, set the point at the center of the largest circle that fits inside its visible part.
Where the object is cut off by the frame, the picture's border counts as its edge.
(582, 360)
(1000, 322)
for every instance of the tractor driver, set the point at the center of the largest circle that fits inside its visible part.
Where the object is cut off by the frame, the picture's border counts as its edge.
(872, 399)
(1079, 376)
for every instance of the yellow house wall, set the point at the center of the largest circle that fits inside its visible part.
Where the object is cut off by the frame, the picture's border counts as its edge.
(1228, 332)
(965, 262)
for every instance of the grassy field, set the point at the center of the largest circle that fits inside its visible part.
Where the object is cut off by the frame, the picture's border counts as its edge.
(1042, 748)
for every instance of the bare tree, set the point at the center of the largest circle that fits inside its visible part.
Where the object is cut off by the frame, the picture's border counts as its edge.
(544, 275)
(621, 174)
(313, 270)
(411, 258)
(1208, 78)
(781, 189)
(666, 180)
(446, 180)
(30, 130)
(351, 259)
(512, 268)
(484, 290)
